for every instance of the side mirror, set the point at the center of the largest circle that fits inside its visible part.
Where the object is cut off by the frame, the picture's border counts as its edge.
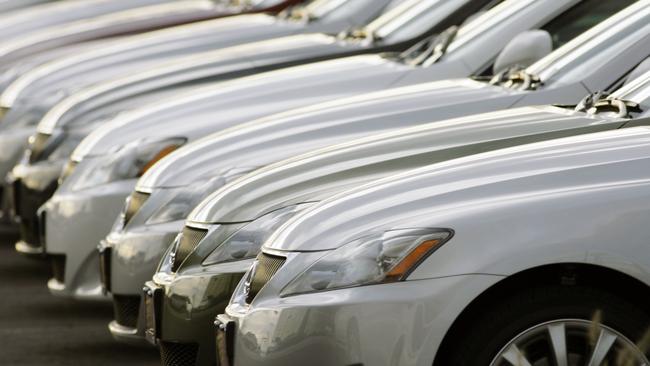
(524, 50)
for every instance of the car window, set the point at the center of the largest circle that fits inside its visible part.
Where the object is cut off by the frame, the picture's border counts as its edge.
(595, 47)
(581, 17)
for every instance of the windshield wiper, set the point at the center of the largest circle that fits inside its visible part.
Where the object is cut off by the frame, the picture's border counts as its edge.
(590, 99)
(296, 13)
(600, 102)
(516, 77)
(430, 50)
(360, 34)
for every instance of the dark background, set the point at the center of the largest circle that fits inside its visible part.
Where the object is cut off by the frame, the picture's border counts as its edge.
(39, 329)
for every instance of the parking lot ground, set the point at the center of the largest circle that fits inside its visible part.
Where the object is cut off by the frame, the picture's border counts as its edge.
(39, 329)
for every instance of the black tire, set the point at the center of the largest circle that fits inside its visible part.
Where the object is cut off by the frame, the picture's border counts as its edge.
(484, 337)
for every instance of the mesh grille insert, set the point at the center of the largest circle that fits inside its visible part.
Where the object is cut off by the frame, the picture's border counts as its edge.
(126, 309)
(37, 146)
(190, 238)
(267, 266)
(178, 354)
(136, 200)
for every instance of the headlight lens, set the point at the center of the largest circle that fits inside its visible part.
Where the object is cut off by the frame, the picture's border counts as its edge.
(382, 258)
(179, 206)
(246, 242)
(65, 147)
(131, 161)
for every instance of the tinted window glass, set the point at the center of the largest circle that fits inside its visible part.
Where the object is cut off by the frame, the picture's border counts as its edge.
(581, 17)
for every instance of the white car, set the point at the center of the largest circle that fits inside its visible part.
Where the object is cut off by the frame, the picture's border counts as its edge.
(225, 232)
(531, 255)
(77, 45)
(168, 123)
(163, 197)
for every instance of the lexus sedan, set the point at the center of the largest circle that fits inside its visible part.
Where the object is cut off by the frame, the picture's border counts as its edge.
(163, 197)
(164, 134)
(531, 255)
(225, 232)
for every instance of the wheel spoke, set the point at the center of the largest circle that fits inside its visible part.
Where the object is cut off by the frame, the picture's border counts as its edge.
(605, 341)
(515, 357)
(557, 333)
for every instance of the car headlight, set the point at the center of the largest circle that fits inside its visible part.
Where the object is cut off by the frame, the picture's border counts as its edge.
(65, 147)
(380, 258)
(178, 207)
(246, 243)
(131, 161)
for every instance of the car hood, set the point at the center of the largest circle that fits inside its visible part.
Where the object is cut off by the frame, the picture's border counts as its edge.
(279, 136)
(113, 58)
(221, 105)
(320, 174)
(439, 194)
(119, 23)
(223, 64)
(35, 18)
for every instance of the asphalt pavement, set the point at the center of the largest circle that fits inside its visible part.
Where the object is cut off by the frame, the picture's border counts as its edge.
(38, 329)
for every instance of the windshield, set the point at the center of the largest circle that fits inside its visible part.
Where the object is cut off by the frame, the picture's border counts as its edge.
(486, 21)
(410, 19)
(595, 47)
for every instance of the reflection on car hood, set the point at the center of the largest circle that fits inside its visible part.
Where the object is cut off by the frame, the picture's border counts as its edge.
(280, 136)
(36, 18)
(440, 194)
(132, 20)
(222, 64)
(110, 57)
(322, 173)
(223, 104)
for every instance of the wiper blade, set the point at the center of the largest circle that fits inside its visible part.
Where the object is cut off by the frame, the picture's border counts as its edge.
(600, 102)
(358, 34)
(430, 50)
(516, 77)
(588, 101)
(296, 13)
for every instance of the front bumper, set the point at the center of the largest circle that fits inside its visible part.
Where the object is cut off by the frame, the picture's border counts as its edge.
(180, 314)
(30, 187)
(13, 142)
(393, 324)
(129, 260)
(75, 223)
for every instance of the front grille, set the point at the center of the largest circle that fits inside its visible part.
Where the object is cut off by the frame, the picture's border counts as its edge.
(26, 203)
(29, 228)
(178, 354)
(266, 267)
(58, 267)
(67, 170)
(37, 145)
(190, 239)
(16, 187)
(135, 201)
(126, 309)
(42, 222)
